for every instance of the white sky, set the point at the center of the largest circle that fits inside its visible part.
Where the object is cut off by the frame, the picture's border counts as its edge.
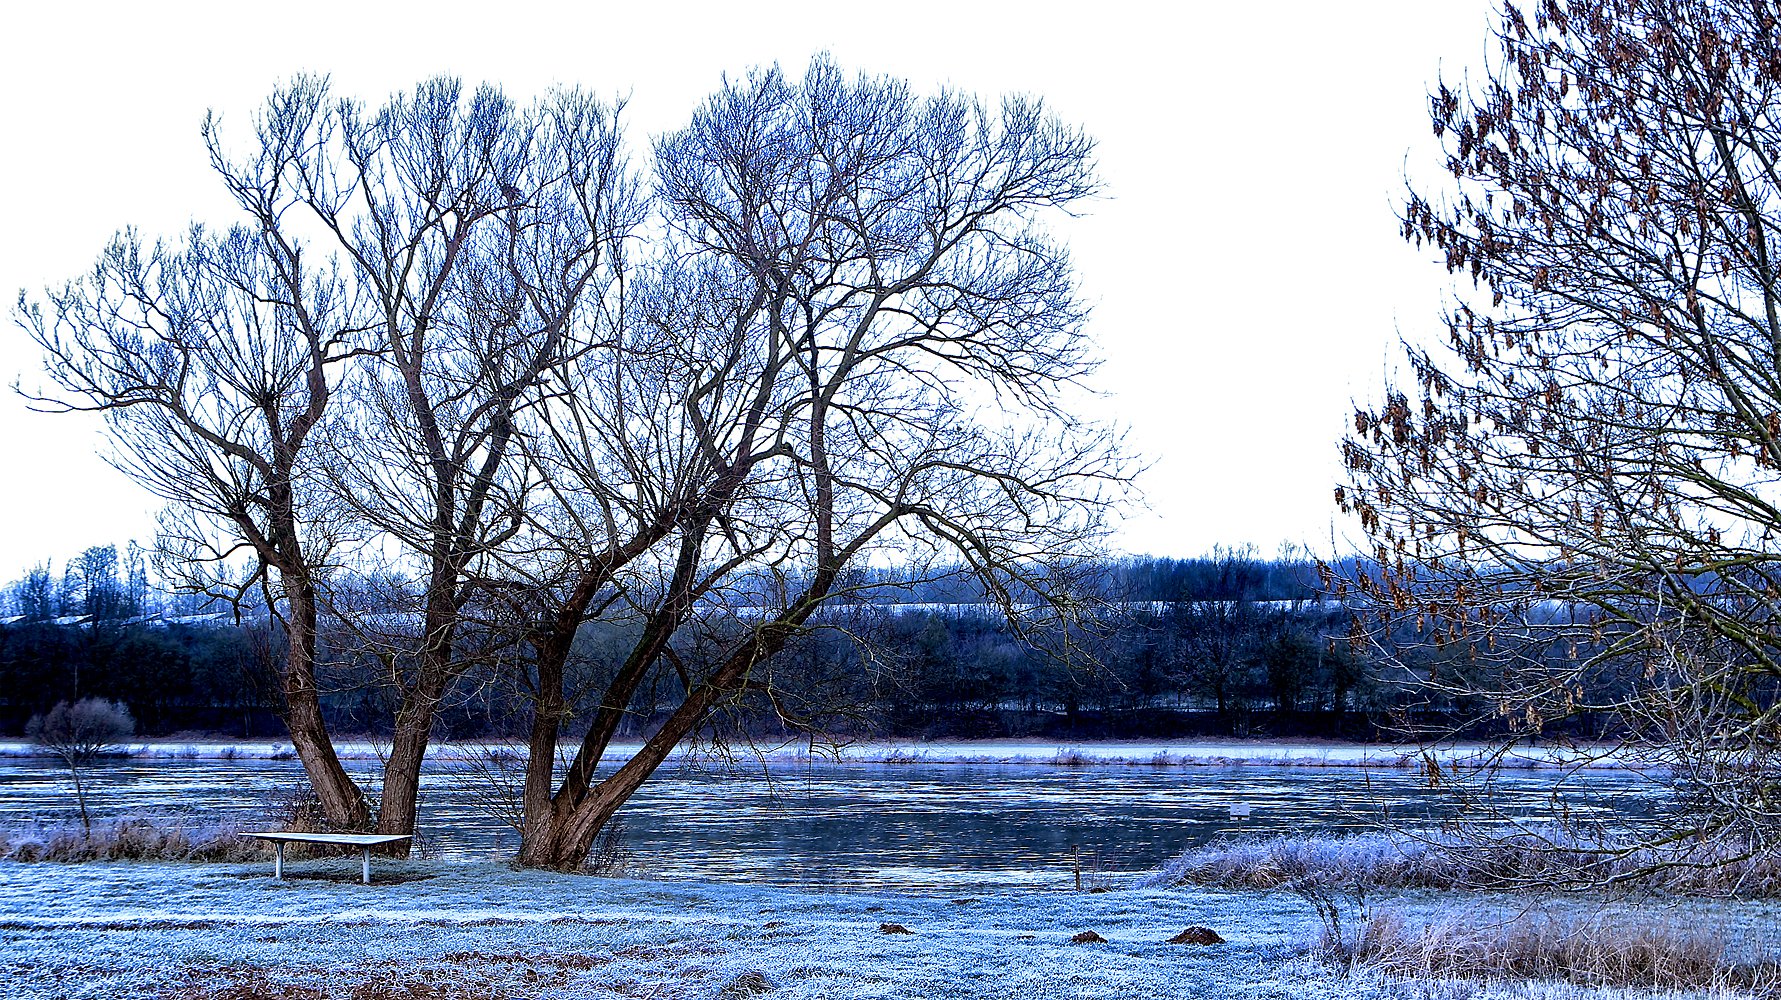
(1245, 264)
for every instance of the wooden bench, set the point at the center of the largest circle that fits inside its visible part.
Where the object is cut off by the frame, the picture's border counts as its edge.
(367, 841)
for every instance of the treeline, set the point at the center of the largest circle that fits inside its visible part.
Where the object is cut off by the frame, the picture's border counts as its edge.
(1237, 669)
(1224, 575)
(107, 584)
(100, 584)
(1228, 644)
(173, 678)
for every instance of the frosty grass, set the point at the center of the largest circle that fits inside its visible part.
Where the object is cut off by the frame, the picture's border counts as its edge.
(445, 931)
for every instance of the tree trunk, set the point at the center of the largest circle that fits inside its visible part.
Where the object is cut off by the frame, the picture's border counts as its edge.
(414, 732)
(402, 772)
(536, 803)
(80, 798)
(342, 801)
(566, 834)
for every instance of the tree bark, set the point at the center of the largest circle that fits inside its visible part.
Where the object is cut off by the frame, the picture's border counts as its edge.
(578, 812)
(342, 801)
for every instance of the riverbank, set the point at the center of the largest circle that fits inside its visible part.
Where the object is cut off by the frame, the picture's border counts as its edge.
(1146, 753)
(456, 931)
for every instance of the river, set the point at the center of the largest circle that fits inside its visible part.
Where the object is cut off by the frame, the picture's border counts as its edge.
(923, 826)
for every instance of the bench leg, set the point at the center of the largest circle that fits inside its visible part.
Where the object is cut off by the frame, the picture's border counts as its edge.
(367, 864)
(278, 861)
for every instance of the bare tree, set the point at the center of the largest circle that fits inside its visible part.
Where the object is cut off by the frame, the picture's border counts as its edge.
(485, 235)
(851, 343)
(459, 351)
(80, 734)
(214, 360)
(1575, 505)
(333, 384)
(34, 596)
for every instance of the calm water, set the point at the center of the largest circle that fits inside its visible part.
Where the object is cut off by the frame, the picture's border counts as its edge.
(929, 827)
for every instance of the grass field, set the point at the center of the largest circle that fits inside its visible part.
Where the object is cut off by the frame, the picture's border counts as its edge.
(457, 931)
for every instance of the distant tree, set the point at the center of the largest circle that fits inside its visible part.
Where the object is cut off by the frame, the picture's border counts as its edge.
(80, 734)
(1289, 661)
(103, 597)
(34, 596)
(135, 581)
(1217, 623)
(70, 592)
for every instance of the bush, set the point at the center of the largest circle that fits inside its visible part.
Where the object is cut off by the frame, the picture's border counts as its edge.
(609, 857)
(80, 734)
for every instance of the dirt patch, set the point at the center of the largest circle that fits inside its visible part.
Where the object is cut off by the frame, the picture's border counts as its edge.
(237, 983)
(109, 925)
(676, 949)
(563, 960)
(1197, 935)
(893, 929)
(1087, 937)
(749, 984)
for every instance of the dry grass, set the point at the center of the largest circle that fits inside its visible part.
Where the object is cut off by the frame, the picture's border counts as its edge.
(460, 975)
(1519, 861)
(1604, 950)
(132, 839)
(499, 981)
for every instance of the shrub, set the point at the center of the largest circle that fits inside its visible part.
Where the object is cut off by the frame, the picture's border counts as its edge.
(80, 734)
(609, 857)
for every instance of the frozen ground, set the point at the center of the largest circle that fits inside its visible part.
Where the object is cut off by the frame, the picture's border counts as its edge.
(464, 930)
(1214, 753)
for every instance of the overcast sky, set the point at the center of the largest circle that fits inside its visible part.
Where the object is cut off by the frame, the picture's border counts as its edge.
(1244, 263)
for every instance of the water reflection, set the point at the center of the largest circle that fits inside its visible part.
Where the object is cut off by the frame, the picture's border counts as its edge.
(934, 827)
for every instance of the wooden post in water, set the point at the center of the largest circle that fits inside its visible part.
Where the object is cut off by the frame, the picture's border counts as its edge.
(1076, 861)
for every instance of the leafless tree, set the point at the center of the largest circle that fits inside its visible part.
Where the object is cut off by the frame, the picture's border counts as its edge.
(851, 344)
(333, 383)
(80, 734)
(1575, 504)
(485, 236)
(532, 396)
(214, 360)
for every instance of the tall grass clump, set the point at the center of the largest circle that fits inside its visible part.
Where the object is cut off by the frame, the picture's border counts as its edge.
(1528, 859)
(132, 839)
(1604, 950)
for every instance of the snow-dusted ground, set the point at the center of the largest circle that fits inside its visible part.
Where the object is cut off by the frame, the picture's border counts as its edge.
(457, 931)
(1212, 753)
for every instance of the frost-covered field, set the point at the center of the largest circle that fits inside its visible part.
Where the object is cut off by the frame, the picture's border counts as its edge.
(1211, 753)
(464, 930)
